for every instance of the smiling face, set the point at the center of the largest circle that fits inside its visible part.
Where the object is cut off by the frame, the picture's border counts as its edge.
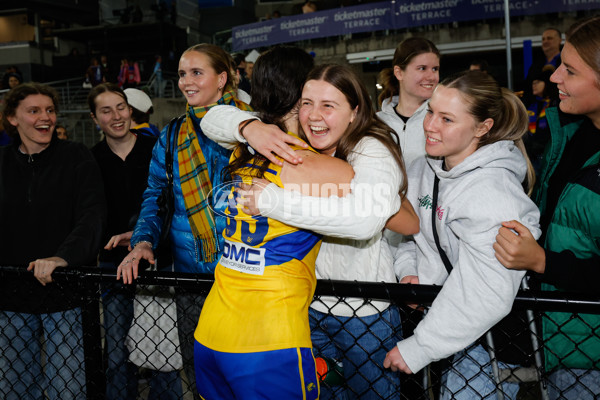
(420, 76)
(324, 115)
(198, 81)
(578, 85)
(551, 42)
(34, 119)
(113, 115)
(450, 130)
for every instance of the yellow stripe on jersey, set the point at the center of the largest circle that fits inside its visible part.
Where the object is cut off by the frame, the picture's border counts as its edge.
(264, 283)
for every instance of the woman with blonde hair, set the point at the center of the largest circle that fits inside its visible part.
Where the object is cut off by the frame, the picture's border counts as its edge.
(206, 79)
(474, 176)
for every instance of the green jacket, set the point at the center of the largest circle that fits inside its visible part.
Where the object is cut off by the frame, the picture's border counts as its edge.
(575, 226)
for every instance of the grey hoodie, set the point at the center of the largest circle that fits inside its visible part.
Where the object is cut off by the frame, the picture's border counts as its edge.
(474, 198)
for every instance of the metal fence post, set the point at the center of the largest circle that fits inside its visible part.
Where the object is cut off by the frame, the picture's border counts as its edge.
(536, 345)
(495, 370)
(92, 341)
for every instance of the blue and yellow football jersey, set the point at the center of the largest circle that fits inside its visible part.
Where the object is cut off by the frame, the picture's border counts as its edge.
(264, 283)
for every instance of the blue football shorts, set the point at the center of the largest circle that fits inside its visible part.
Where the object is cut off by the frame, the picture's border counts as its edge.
(277, 374)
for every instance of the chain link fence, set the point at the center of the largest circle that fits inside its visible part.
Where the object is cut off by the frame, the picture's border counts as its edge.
(136, 342)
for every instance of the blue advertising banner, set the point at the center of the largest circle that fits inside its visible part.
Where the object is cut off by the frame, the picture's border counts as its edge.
(366, 17)
(215, 3)
(389, 15)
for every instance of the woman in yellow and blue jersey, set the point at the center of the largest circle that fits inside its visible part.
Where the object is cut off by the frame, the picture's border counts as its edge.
(253, 336)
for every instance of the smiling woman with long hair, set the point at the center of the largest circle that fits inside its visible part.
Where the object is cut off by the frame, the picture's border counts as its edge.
(473, 177)
(206, 79)
(253, 337)
(568, 255)
(338, 118)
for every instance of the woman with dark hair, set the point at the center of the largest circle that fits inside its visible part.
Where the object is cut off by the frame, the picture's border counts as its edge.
(362, 333)
(52, 214)
(253, 337)
(568, 254)
(472, 178)
(206, 79)
(406, 88)
(123, 158)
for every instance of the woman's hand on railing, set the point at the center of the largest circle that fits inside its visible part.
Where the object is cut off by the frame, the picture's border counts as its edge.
(128, 269)
(43, 268)
(395, 361)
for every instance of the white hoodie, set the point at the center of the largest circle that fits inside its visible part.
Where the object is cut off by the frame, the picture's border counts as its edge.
(474, 198)
(412, 144)
(410, 134)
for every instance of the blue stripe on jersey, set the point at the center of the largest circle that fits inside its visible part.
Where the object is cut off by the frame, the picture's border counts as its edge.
(269, 170)
(294, 245)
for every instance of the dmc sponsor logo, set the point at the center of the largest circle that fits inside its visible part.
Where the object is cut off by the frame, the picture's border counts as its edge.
(242, 254)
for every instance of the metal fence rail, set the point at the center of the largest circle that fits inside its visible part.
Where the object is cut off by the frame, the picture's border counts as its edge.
(149, 324)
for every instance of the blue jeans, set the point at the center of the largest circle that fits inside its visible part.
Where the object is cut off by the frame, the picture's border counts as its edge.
(21, 373)
(361, 344)
(581, 384)
(471, 377)
(122, 375)
(189, 307)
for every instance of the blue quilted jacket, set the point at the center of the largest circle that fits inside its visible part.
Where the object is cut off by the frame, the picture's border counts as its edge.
(187, 256)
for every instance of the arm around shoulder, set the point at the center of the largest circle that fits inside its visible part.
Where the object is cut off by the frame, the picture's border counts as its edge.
(360, 215)
(221, 125)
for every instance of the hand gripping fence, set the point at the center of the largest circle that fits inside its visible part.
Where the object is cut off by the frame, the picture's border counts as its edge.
(345, 349)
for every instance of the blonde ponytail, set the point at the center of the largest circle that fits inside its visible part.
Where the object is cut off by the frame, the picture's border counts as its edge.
(488, 100)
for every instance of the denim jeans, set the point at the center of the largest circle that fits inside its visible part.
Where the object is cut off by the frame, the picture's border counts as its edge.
(471, 377)
(122, 375)
(22, 376)
(189, 306)
(581, 384)
(360, 344)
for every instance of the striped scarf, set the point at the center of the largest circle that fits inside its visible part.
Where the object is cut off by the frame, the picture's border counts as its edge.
(193, 175)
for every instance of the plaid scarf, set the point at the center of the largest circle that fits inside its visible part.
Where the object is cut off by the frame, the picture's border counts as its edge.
(193, 175)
